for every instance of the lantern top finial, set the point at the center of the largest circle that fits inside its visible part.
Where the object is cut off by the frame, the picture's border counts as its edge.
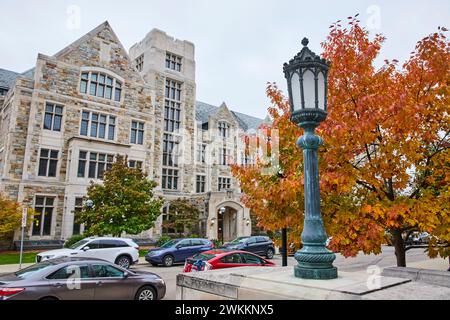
(305, 42)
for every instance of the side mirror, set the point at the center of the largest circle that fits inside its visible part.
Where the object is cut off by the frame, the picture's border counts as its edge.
(86, 248)
(177, 247)
(125, 275)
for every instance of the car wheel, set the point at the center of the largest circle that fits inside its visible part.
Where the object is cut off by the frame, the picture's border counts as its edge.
(168, 261)
(269, 253)
(146, 293)
(123, 261)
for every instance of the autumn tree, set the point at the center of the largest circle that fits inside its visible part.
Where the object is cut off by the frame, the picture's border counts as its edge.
(10, 217)
(124, 202)
(385, 163)
(272, 186)
(386, 159)
(183, 216)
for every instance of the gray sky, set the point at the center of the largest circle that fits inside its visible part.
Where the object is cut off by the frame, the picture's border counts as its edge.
(240, 44)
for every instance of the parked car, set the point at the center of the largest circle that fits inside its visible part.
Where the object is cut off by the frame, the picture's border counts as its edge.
(121, 251)
(223, 258)
(418, 238)
(73, 278)
(177, 250)
(260, 245)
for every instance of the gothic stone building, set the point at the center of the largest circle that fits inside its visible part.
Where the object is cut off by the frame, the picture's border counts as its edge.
(63, 122)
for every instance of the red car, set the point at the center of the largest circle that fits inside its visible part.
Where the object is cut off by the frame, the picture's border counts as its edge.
(220, 259)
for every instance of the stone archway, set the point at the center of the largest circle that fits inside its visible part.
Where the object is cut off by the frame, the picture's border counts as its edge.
(228, 225)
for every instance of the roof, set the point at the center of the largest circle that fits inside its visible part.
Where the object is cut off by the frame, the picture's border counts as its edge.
(246, 122)
(7, 78)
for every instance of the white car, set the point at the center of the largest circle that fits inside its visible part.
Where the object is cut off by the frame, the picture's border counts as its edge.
(121, 251)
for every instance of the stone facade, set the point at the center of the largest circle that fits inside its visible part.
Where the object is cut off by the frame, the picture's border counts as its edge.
(89, 126)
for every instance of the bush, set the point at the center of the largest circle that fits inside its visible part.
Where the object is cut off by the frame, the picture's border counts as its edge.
(163, 239)
(73, 239)
(194, 235)
(217, 243)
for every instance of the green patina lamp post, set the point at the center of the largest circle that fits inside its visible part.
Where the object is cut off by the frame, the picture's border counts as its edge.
(306, 76)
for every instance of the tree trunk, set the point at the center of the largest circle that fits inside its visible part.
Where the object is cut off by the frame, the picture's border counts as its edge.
(399, 246)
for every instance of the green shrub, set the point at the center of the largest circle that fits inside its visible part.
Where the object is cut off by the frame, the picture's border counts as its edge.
(163, 239)
(194, 235)
(73, 239)
(217, 243)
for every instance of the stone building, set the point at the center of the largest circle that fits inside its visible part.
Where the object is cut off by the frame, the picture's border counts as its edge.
(63, 122)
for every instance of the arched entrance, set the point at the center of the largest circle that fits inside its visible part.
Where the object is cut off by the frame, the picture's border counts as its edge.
(226, 224)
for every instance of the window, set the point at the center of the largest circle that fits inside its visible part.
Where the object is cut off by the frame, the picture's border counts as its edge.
(200, 185)
(42, 221)
(251, 259)
(139, 62)
(201, 153)
(224, 155)
(184, 244)
(98, 125)
(224, 129)
(173, 62)
(3, 91)
(53, 117)
(135, 164)
(76, 229)
(98, 164)
(71, 271)
(167, 226)
(224, 183)
(48, 162)
(169, 179)
(106, 271)
(100, 85)
(137, 132)
(232, 258)
(172, 109)
(170, 151)
(107, 244)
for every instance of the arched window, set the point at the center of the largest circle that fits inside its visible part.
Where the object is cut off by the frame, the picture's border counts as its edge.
(98, 84)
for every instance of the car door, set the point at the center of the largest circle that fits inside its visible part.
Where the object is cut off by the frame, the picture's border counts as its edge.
(252, 260)
(72, 282)
(230, 261)
(183, 250)
(110, 283)
(261, 245)
(198, 246)
(251, 245)
(90, 250)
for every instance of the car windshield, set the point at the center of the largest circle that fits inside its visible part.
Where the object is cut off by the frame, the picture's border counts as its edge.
(79, 244)
(239, 240)
(170, 243)
(27, 272)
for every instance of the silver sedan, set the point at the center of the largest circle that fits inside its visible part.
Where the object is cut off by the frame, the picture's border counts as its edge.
(80, 279)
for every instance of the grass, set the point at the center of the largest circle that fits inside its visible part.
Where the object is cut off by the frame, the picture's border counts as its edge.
(14, 258)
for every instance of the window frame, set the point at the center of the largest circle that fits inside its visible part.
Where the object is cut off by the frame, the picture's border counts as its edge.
(53, 116)
(88, 82)
(49, 161)
(109, 125)
(43, 215)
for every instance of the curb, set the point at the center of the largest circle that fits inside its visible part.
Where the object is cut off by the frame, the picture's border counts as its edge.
(435, 277)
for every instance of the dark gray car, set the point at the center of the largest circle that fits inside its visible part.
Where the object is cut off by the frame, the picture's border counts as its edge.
(80, 279)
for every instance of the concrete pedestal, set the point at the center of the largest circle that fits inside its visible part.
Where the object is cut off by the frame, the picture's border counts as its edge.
(279, 283)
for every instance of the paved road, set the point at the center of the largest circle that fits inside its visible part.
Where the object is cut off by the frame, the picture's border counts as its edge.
(414, 258)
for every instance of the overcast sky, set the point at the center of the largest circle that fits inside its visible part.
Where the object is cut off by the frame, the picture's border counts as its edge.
(240, 44)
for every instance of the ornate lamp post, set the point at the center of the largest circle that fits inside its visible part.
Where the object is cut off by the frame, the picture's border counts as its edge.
(306, 76)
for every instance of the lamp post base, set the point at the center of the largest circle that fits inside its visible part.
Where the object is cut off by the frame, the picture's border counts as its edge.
(315, 273)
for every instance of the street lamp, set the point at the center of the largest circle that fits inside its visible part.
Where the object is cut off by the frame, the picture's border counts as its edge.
(222, 211)
(306, 76)
(89, 203)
